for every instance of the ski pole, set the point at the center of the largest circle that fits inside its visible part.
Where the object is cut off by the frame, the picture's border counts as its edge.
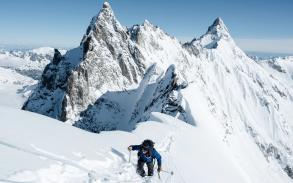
(129, 157)
(170, 172)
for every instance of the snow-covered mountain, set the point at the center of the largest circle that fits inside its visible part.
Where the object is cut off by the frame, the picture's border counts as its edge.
(20, 72)
(118, 76)
(108, 60)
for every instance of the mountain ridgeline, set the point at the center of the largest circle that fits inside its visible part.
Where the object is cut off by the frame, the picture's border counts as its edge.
(107, 71)
(118, 76)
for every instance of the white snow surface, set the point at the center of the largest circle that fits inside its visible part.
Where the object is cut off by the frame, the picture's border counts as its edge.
(14, 88)
(35, 148)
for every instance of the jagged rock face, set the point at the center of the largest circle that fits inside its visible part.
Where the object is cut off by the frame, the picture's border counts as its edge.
(105, 60)
(48, 97)
(118, 76)
(163, 96)
(109, 62)
(110, 58)
(124, 109)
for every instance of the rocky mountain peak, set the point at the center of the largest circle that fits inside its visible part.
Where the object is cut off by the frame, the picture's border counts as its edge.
(146, 23)
(105, 60)
(215, 34)
(106, 11)
(106, 5)
(104, 21)
(218, 27)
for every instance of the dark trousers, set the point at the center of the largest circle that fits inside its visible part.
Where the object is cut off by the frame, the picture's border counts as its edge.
(140, 169)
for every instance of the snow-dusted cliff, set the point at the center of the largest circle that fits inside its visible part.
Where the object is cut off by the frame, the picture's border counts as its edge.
(110, 59)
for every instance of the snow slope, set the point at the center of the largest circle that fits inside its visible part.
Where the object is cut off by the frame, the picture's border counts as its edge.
(31, 153)
(14, 88)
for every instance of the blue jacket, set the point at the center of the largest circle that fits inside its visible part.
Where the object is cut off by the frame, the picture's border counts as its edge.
(153, 155)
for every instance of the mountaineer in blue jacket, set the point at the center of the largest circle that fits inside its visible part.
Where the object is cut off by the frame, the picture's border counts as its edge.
(146, 154)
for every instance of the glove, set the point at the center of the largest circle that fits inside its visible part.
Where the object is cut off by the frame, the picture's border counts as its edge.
(159, 169)
(129, 148)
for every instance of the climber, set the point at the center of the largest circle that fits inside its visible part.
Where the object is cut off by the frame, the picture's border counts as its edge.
(146, 154)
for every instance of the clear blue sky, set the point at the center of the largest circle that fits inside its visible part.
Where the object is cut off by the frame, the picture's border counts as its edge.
(61, 23)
